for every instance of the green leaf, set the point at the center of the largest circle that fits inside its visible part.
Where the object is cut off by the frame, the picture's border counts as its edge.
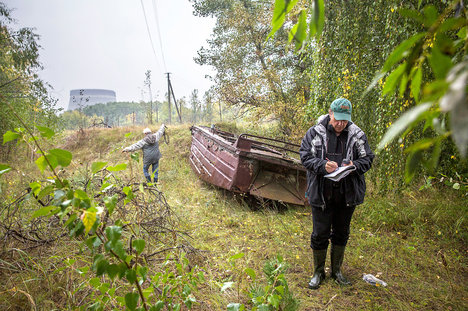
(131, 275)
(122, 269)
(131, 300)
(101, 267)
(299, 31)
(113, 270)
(138, 245)
(129, 193)
(403, 84)
(279, 16)
(118, 167)
(440, 63)
(317, 18)
(9, 136)
(110, 203)
(93, 241)
(97, 166)
(80, 194)
(113, 233)
(236, 256)
(45, 192)
(456, 186)
(64, 157)
(158, 306)
(35, 187)
(430, 15)
(4, 169)
(135, 157)
(95, 282)
(282, 7)
(143, 271)
(413, 14)
(462, 34)
(280, 289)
(118, 249)
(435, 156)
(127, 135)
(274, 300)
(45, 131)
(250, 272)
(421, 144)
(402, 123)
(235, 307)
(89, 219)
(416, 84)
(42, 162)
(392, 80)
(42, 211)
(451, 24)
(412, 163)
(400, 51)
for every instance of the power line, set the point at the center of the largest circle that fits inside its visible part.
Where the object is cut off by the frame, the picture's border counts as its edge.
(149, 34)
(159, 33)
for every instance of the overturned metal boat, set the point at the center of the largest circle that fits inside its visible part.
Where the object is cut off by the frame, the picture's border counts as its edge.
(248, 164)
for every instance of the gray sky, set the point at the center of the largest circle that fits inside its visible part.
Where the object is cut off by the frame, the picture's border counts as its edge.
(105, 44)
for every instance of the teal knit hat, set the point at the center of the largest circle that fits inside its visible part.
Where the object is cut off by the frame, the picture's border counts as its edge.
(342, 109)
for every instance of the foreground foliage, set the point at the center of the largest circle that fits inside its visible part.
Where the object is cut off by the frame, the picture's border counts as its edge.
(123, 226)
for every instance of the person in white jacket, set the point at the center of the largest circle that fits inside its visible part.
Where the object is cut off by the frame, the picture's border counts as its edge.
(151, 153)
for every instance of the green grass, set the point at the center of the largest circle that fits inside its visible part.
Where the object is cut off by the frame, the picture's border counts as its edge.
(415, 241)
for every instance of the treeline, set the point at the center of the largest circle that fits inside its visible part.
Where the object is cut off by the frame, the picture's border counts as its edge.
(194, 111)
(23, 96)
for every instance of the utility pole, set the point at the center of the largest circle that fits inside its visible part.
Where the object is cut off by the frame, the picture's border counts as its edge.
(169, 92)
(169, 97)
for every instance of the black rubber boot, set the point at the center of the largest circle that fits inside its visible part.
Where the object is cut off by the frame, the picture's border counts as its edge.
(337, 254)
(319, 268)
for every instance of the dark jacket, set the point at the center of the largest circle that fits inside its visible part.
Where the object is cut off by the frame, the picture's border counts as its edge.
(150, 146)
(313, 150)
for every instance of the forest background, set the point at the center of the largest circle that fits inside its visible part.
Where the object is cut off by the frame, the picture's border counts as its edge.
(283, 84)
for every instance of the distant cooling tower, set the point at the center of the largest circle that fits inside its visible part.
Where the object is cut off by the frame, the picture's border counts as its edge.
(88, 97)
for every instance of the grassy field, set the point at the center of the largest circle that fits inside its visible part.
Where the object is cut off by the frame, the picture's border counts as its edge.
(416, 241)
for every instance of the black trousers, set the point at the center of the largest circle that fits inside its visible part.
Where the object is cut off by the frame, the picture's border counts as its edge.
(332, 223)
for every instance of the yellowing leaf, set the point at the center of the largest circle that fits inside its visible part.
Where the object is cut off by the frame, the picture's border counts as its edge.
(88, 220)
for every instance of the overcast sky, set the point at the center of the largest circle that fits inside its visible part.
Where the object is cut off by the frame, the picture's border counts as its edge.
(105, 44)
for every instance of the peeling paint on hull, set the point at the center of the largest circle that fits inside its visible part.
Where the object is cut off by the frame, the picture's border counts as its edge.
(248, 164)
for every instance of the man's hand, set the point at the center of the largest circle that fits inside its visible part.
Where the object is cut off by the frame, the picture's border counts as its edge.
(123, 151)
(331, 166)
(350, 163)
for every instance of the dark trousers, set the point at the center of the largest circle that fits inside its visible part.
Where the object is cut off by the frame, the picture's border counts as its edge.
(154, 170)
(332, 223)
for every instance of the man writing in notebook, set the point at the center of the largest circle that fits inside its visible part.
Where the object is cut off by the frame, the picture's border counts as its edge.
(333, 142)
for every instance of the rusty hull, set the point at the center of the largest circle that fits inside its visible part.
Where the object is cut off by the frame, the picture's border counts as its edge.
(248, 164)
